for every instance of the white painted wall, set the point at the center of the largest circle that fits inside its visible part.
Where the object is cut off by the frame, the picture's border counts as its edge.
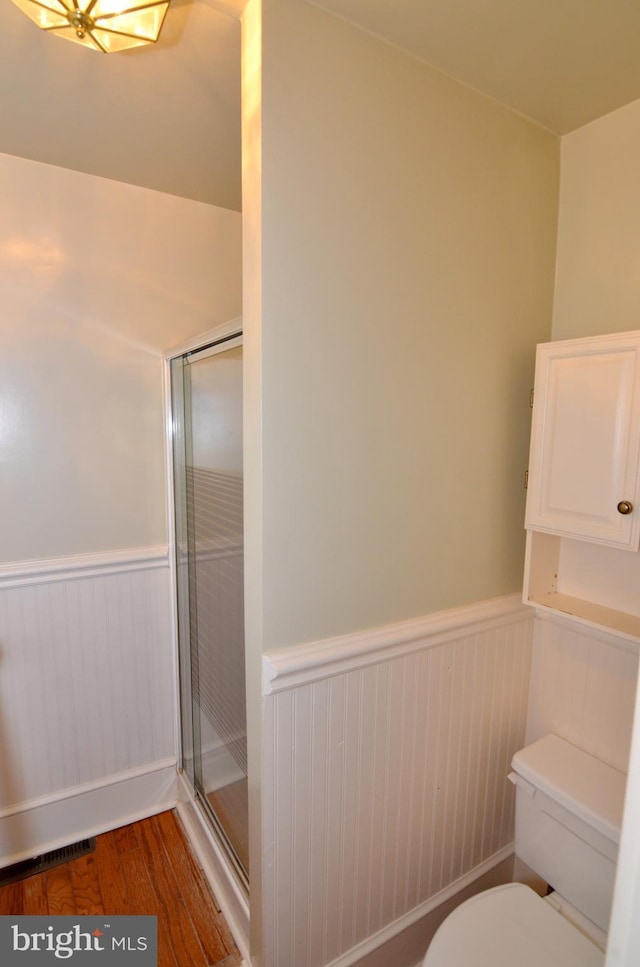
(252, 439)
(408, 238)
(596, 292)
(583, 687)
(97, 278)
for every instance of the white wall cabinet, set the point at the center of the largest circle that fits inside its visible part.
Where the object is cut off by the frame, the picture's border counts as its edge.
(583, 501)
(585, 440)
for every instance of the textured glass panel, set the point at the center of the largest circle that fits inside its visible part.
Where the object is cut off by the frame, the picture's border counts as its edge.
(113, 42)
(43, 16)
(140, 23)
(207, 415)
(107, 8)
(179, 418)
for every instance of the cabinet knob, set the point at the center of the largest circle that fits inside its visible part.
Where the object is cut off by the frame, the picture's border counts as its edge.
(625, 507)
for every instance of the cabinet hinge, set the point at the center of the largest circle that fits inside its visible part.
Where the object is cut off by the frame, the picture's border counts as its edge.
(531, 398)
(526, 479)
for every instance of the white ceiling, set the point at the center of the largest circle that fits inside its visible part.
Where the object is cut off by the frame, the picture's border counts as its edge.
(168, 116)
(562, 63)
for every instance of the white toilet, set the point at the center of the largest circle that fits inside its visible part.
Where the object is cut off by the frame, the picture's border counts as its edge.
(568, 817)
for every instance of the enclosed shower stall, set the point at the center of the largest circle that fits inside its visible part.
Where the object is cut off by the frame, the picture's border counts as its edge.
(206, 403)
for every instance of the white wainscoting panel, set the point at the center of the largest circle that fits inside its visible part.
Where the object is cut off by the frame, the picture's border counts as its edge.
(389, 778)
(86, 678)
(583, 687)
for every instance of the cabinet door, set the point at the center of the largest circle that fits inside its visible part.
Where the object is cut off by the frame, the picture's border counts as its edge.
(585, 440)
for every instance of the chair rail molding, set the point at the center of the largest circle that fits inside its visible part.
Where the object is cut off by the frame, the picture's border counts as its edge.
(20, 573)
(307, 663)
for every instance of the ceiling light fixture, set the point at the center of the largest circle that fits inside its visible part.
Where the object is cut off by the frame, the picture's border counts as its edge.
(106, 25)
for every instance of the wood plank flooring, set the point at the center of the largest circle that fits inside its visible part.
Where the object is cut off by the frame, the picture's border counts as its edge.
(145, 868)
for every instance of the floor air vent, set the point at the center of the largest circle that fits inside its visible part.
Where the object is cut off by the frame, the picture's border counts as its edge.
(20, 871)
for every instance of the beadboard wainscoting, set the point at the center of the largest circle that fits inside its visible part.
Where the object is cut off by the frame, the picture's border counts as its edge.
(583, 687)
(86, 697)
(389, 752)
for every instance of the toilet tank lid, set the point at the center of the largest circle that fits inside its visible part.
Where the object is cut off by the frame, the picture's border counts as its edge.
(589, 788)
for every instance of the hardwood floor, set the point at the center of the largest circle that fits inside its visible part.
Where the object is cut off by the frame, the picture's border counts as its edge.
(145, 868)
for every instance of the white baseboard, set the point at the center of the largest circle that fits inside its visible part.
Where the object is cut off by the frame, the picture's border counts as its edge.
(31, 828)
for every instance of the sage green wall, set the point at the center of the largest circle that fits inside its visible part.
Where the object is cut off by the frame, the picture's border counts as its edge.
(407, 246)
(597, 288)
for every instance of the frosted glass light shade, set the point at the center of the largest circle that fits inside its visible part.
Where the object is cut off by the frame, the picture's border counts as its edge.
(106, 25)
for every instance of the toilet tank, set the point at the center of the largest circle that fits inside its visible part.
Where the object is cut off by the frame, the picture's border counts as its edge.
(568, 818)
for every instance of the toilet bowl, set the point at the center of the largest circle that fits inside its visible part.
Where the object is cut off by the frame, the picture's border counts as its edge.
(568, 817)
(510, 926)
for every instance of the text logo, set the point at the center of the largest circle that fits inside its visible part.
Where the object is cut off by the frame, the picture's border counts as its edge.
(80, 941)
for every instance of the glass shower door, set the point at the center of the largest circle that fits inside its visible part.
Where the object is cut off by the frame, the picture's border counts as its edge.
(206, 389)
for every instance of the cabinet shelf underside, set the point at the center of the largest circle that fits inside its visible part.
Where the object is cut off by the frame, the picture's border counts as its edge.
(590, 613)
